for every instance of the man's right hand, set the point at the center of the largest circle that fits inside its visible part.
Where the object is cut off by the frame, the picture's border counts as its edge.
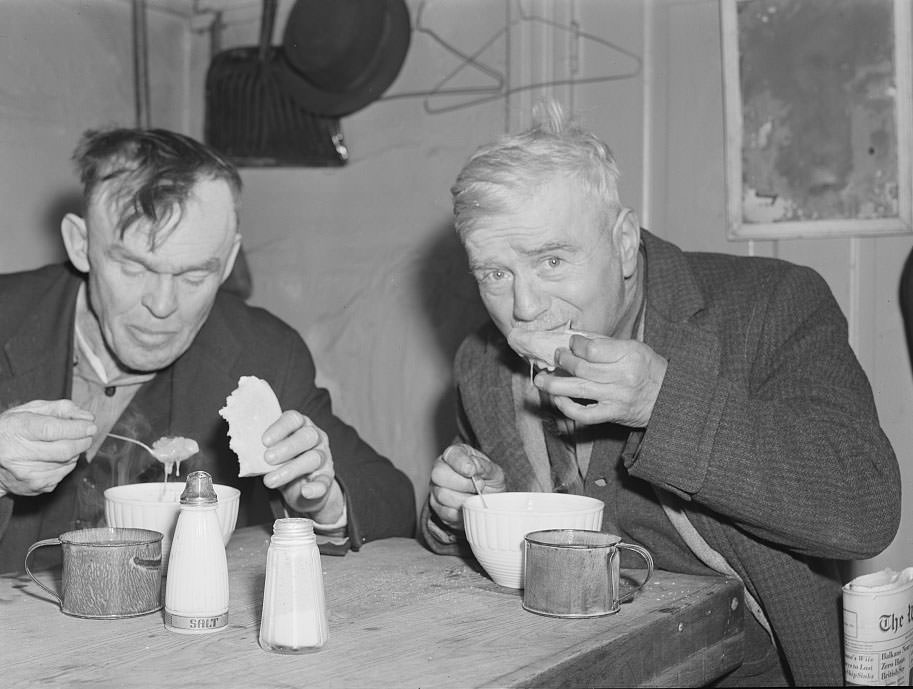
(39, 444)
(451, 481)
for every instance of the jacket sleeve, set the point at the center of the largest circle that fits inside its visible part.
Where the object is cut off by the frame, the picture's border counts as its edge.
(380, 499)
(784, 440)
(433, 533)
(6, 512)
(438, 537)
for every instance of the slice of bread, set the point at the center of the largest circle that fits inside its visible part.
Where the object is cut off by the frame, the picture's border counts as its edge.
(249, 410)
(539, 346)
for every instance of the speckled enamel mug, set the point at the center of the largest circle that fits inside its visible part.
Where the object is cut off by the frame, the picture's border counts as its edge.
(108, 572)
(575, 572)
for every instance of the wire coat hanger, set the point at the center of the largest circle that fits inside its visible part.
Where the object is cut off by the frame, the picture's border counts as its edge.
(493, 89)
(499, 86)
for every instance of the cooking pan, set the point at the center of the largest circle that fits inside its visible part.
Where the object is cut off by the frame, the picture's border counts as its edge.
(250, 118)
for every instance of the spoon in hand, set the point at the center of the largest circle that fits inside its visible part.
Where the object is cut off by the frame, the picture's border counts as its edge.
(167, 450)
(476, 481)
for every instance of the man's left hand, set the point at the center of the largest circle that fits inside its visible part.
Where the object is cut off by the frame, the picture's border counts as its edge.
(621, 377)
(304, 467)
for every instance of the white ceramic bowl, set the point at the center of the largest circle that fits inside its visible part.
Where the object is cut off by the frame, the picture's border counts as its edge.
(156, 506)
(496, 533)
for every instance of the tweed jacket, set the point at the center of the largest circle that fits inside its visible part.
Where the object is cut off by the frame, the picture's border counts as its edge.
(36, 362)
(764, 431)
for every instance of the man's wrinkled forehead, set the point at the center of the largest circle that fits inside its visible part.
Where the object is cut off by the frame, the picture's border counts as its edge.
(111, 196)
(113, 212)
(117, 207)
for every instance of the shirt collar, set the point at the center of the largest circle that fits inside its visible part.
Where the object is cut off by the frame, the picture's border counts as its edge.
(87, 363)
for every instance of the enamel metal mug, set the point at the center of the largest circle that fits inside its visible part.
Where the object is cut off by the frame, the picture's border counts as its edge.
(108, 572)
(575, 572)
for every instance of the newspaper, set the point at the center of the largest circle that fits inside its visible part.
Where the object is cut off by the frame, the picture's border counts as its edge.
(878, 629)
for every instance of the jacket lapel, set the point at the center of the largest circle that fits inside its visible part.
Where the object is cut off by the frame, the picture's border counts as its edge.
(493, 412)
(39, 353)
(212, 358)
(674, 302)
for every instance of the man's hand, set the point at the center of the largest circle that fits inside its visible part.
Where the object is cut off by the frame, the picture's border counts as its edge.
(621, 377)
(39, 444)
(304, 467)
(451, 481)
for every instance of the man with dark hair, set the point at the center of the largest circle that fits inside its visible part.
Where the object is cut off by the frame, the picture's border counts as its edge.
(135, 338)
(712, 402)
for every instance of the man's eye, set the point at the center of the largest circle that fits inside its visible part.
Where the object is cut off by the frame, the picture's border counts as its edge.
(132, 269)
(491, 276)
(194, 279)
(553, 262)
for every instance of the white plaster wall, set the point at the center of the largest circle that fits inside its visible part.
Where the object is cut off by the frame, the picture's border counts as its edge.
(66, 66)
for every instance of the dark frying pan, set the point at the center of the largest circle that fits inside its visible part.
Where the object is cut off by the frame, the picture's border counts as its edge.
(249, 117)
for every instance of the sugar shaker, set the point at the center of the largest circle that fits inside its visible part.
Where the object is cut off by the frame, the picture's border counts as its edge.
(294, 608)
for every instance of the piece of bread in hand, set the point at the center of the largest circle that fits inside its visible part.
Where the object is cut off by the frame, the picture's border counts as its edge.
(539, 346)
(249, 410)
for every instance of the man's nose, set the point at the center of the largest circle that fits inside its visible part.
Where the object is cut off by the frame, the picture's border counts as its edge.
(530, 302)
(160, 296)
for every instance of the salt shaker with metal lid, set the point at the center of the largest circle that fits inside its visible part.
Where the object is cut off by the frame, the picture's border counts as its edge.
(294, 608)
(196, 588)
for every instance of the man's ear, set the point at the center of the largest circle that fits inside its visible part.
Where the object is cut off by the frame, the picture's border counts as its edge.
(232, 255)
(627, 239)
(76, 240)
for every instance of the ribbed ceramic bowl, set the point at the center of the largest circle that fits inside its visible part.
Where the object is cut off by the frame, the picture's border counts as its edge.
(156, 506)
(496, 533)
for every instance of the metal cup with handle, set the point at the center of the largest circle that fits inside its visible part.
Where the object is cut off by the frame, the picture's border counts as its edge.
(576, 573)
(108, 572)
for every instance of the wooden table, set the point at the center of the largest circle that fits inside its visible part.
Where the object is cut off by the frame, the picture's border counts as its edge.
(399, 616)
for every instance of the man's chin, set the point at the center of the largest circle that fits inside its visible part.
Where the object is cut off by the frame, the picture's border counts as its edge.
(147, 363)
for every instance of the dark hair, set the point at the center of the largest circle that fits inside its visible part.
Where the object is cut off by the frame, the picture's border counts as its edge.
(153, 172)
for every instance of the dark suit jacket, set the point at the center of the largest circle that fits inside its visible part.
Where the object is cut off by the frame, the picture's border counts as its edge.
(36, 317)
(906, 301)
(765, 429)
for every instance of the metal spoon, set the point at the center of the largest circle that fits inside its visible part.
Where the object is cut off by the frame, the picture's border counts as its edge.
(166, 454)
(477, 483)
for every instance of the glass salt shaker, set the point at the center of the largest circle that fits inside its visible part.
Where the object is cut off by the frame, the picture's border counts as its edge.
(196, 588)
(294, 609)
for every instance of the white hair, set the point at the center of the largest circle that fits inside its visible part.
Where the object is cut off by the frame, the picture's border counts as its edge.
(501, 175)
